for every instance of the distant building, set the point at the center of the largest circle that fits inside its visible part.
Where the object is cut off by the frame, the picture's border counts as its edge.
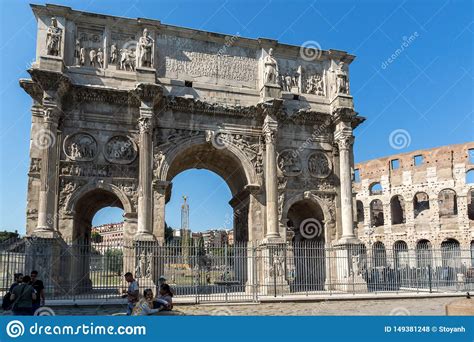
(111, 233)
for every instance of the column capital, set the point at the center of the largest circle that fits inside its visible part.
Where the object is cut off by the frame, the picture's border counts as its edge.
(148, 93)
(145, 124)
(51, 114)
(344, 139)
(269, 129)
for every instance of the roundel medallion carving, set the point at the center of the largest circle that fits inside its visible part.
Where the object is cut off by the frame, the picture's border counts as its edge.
(289, 162)
(120, 150)
(80, 147)
(319, 165)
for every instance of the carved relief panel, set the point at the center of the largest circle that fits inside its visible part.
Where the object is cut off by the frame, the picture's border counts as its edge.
(289, 162)
(120, 150)
(123, 50)
(319, 165)
(80, 147)
(182, 57)
(90, 43)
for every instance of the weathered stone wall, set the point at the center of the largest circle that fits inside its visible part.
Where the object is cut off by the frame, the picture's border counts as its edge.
(433, 203)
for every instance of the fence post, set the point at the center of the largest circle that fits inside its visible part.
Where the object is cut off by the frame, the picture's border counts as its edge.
(429, 278)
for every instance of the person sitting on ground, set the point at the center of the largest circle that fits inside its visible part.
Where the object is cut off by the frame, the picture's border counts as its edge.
(22, 297)
(144, 307)
(164, 300)
(132, 292)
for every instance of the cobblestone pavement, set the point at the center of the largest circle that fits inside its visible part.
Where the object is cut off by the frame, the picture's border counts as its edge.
(422, 306)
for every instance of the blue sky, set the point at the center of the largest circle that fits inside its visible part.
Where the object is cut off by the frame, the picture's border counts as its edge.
(425, 93)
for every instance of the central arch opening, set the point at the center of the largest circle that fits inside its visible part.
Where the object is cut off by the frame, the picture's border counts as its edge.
(207, 216)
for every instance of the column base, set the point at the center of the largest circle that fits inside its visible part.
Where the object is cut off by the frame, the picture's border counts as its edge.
(273, 239)
(44, 233)
(142, 236)
(348, 240)
(270, 91)
(146, 75)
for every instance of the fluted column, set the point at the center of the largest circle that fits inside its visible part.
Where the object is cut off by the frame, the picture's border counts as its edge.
(271, 181)
(344, 141)
(45, 139)
(145, 126)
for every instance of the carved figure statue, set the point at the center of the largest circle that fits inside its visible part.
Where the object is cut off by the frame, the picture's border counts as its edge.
(53, 38)
(82, 57)
(77, 53)
(100, 58)
(341, 80)
(92, 58)
(145, 48)
(113, 54)
(271, 68)
(127, 59)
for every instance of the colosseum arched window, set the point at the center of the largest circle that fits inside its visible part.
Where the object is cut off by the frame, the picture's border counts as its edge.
(450, 253)
(447, 202)
(376, 213)
(421, 203)
(375, 188)
(470, 177)
(397, 209)
(360, 211)
(470, 204)
(379, 254)
(424, 254)
(400, 252)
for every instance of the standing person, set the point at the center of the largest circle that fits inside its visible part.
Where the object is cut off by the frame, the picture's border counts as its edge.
(132, 292)
(23, 296)
(7, 301)
(39, 288)
(17, 278)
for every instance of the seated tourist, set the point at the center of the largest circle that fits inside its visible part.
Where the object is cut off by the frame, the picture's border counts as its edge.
(144, 307)
(164, 300)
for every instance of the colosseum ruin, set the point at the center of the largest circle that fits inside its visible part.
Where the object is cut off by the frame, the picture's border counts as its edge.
(417, 200)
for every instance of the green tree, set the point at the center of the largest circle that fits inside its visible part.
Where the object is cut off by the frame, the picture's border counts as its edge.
(114, 260)
(168, 233)
(96, 237)
(5, 235)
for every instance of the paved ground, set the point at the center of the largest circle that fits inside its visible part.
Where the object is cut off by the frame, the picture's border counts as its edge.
(423, 307)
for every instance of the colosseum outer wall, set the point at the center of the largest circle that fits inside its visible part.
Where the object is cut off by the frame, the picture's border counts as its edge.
(425, 196)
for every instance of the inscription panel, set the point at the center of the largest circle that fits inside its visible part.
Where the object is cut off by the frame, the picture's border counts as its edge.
(206, 61)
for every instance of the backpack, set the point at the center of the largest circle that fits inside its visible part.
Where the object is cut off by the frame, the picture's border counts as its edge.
(6, 302)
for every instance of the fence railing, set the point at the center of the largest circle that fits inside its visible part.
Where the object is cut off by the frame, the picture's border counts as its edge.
(239, 272)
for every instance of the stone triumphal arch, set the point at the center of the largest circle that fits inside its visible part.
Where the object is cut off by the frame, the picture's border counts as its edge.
(121, 106)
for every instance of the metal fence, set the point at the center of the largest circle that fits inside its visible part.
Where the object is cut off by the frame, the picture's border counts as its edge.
(240, 272)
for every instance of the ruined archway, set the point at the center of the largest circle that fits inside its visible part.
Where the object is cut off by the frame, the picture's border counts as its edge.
(397, 208)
